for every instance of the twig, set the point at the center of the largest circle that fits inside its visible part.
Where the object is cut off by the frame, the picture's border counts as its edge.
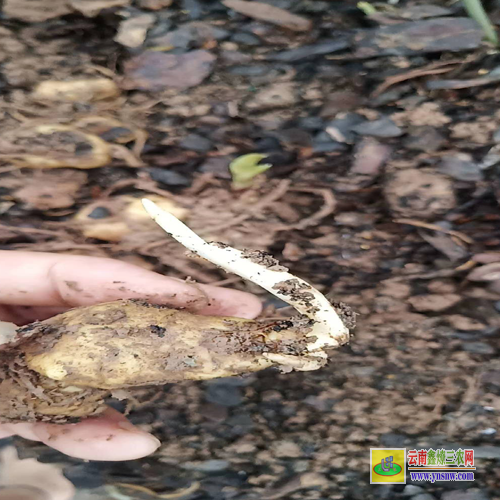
(30, 230)
(432, 69)
(328, 207)
(183, 492)
(265, 201)
(434, 227)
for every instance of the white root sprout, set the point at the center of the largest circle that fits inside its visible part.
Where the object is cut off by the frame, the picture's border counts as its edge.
(327, 326)
(8, 332)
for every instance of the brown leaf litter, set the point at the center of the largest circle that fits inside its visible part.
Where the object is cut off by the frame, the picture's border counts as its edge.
(34, 11)
(46, 190)
(156, 71)
(76, 90)
(269, 13)
(54, 146)
(430, 35)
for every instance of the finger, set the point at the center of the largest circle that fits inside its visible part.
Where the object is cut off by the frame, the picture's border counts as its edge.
(23, 429)
(5, 433)
(109, 437)
(44, 279)
(7, 315)
(26, 314)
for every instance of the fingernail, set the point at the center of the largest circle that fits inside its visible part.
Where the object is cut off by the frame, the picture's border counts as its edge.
(156, 442)
(127, 426)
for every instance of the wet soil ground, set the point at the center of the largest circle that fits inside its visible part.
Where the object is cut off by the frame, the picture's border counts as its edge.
(383, 133)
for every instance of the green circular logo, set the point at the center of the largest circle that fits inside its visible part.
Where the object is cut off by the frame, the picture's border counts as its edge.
(396, 469)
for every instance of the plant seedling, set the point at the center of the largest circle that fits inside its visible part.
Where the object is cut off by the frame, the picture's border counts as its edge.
(63, 368)
(245, 168)
(476, 11)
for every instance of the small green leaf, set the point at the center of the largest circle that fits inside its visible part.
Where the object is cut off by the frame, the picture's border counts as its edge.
(244, 168)
(367, 8)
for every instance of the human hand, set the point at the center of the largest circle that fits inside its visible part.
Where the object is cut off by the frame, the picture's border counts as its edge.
(35, 286)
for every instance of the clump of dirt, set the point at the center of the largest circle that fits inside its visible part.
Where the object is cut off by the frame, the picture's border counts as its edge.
(346, 314)
(54, 146)
(265, 259)
(419, 193)
(28, 396)
(298, 292)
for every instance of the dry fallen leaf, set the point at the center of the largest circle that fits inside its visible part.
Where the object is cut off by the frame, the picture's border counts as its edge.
(488, 272)
(94, 89)
(47, 190)
(132, 32)
(270, 14)
(35, 11)
(113, 220)
(418, 37)
(54, 146)
(154, 4)
(157, 71)
(92, 8)
(110, 129)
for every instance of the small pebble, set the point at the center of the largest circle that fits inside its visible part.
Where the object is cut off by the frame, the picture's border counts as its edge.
(286, 449)
(195, 142)
(245, 39)
(383, 128)
(265, 144)
(393, 440)
(218, 166)
(461, 167)
(99, 213)
(470, 494)
(412, 490)
(488, 432)
(426, 139)
(423, 496)
(168, 177)
(311, 123)
(249, 70)
(341, 101)
(487, 452)
(496, 135)
(207, 466)
(85, 475)
(341, 129)
(309, 51)
(330, 146)
(355, 219)
(223, 394)
(478, 348)
(276, 95)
